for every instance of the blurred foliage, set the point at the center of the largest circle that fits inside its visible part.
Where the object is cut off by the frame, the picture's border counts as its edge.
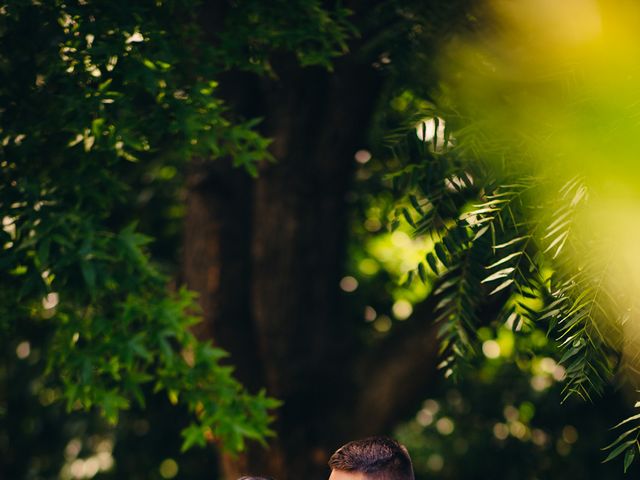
(505, 418)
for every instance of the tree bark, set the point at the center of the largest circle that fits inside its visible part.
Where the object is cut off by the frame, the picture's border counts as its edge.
(267, 256)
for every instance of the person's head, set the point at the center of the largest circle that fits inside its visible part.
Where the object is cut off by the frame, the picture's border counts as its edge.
(374, 458)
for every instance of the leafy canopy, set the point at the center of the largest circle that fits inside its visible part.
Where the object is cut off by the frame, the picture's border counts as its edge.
(93, 93)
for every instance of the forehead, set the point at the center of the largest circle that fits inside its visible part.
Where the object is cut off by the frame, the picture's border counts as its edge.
(342, 475)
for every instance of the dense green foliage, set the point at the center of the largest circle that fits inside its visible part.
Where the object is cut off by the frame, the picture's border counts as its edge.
(94, 94)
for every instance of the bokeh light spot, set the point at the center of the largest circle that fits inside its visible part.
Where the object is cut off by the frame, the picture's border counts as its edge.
(349, 284)
(500, 431)
(362, 156)
(382, 324)
(372, 224)
(491, 349)
(540, 382)
(518, 430)
(435, 462)
(402, 309)
(424, 417)
(370, 313)
(431, 406)
(569, 434)
(539, 437)
(368, 266)
(168, 468)
(23, 350)
(445, 426)
(50, 301)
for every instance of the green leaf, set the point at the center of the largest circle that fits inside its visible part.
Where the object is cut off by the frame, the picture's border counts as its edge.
(445, 301)
(513, 241)
(627, 420)
(408, 279)
(431, 260)
(193, 435)
(441, 254)
(149, 64)
(111, 403)
(445, 286)
(629, 456)
(504, 260)
(617, 451)
(416, 204)
(559, 241)
(568, 354)
(137, 346)
(422, 272)
(96, 126)
(481, 232)
(502, 286)
(620, 438)
(407, 217)
(499, 274)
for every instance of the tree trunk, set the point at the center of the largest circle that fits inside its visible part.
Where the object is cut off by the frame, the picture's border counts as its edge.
(266, 257)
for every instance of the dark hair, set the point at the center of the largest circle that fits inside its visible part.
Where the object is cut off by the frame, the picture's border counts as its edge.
(253, 478)
(380, 458)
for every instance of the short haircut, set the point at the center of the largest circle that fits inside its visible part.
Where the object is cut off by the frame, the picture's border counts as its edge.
(379, 458)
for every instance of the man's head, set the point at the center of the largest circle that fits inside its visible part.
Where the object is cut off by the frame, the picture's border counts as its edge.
(374, 458)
